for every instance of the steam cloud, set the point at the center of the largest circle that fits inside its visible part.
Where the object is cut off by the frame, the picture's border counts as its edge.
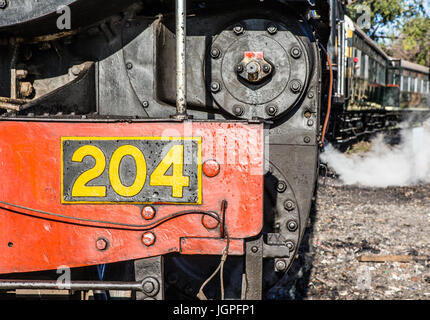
(401, 165)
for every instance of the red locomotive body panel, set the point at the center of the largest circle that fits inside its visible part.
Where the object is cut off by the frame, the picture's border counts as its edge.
(39, 230)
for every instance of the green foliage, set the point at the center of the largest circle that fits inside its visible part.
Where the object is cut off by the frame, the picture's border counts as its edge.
(402, 24)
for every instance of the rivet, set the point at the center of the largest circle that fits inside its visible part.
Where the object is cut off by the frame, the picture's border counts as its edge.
(148, 212)
(211, 168)
(101, 244)
(209, 222)
(148, 238)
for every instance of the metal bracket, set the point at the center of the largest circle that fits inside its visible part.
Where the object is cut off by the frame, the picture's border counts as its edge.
(150, 272)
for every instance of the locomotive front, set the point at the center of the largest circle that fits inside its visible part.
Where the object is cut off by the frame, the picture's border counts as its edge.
(157, 143)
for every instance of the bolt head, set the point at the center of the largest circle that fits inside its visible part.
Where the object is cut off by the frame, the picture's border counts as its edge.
(310, 123)
(290, 245)
(215, 53)
(292, 225)
(307, 139)
(289, 205)
(145, 104)
(254, 249)
(148, 212)
(3, 4)
(271, 110)
(266, 68)
(215, 86)
(272, 29)
(238, 110)
(101, 244)
(295, 52)
(239, 68)
(295, 86)
(129, 65)
(282, 186)
(148, 287)
(238, 29)
(148, 239)
(280, 265)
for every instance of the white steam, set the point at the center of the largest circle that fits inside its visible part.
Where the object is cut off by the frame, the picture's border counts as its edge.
(405, 164)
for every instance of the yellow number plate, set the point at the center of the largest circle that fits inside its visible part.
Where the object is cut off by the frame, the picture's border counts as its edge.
(132, 170)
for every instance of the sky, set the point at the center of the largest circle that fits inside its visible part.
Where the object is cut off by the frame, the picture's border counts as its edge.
(427, 6)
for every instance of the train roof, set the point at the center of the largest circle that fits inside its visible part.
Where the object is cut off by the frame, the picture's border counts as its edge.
(413, 66)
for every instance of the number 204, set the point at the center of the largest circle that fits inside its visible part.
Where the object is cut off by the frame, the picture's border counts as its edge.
(174, 158)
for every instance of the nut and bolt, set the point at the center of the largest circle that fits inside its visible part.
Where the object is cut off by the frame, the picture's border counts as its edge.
(148, 212)
(238, 110)
(280, 265)
(215, 86)
(272, 29)
(271, 110)
(307, 139)
(295, 86)
(282, 186)
(292, 225)
(295, 52)
(148, 239)
(290, 245)
(238, 29)
(101, 244)
(3, 4)
(289, 205)
(215, 53)
(150, 286)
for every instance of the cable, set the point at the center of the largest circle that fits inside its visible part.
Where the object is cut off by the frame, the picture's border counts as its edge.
(114, 225)
(201, 295)
(327, 116)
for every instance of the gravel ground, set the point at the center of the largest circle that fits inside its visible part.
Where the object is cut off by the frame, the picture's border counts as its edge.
(348, 222)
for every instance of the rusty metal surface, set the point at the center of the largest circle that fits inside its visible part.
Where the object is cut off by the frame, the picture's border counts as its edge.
(38, 241)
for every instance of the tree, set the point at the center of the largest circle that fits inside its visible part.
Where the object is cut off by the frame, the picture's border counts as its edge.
(384, 13)
(414, 41)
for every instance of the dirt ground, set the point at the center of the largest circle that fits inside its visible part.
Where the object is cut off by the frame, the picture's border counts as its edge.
(348, 222)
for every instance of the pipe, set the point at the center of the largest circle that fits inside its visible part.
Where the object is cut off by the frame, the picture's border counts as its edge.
(6, 284)
(181, 72)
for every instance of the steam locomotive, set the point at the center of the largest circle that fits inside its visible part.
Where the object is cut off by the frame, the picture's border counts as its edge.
(148, 147)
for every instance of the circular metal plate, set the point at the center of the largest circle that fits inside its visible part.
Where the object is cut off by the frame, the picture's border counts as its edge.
(275, 90)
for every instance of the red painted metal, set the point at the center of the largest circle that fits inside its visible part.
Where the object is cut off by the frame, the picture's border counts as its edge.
(30, 162)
